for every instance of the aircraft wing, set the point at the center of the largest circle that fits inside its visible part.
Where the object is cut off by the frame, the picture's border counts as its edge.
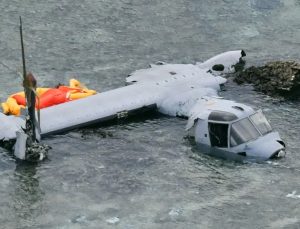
(173, 89)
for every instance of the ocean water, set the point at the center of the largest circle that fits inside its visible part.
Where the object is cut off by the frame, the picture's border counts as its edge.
(145, 173)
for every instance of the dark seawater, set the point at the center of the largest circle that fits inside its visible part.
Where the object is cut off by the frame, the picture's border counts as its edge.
(145, 173)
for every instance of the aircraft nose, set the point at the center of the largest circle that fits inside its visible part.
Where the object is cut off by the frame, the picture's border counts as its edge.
(269, 146)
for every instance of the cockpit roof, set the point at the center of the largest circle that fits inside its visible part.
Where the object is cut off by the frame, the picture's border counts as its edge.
(218, 110)
(222, 116)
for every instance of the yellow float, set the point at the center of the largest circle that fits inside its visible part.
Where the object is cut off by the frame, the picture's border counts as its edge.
(47, 97)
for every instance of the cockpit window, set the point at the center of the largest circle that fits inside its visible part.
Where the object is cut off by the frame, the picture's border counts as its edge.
(218, 134)
(261, 123)
(242, 131)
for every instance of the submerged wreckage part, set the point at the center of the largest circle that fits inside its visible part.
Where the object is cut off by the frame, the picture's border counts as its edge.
(275, 78)
(9, 125)
(178, 90)
(225, 125)
(27, 145)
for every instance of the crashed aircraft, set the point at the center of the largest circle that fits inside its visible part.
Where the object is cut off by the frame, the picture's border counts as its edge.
(183, 90)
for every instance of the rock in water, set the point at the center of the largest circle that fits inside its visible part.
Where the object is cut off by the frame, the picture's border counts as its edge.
(278, 78)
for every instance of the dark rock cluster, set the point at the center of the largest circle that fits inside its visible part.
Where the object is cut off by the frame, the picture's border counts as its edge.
(278, 78)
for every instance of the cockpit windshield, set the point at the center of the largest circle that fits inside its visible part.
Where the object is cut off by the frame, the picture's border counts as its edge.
(261, 123)
(242, 131)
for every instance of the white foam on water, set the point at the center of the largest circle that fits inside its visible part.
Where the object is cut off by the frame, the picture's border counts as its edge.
(113, 220)
(293, 195)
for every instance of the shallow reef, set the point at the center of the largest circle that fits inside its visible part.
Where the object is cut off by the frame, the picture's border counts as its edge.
(277, 78)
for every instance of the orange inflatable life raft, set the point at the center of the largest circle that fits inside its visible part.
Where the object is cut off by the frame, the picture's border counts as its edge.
(47, 97)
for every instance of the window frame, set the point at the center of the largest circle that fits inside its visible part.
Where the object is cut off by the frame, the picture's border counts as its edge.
(230, 123)
(249, 119)
(260, 111)
(228, 132)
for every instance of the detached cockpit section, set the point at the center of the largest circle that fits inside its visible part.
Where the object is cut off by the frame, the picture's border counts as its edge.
(226, 126)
